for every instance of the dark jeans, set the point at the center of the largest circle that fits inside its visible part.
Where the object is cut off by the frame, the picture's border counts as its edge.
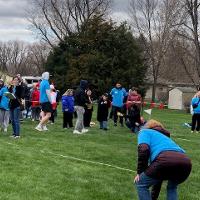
(67, 119)
(103, 124)
(52, 118)
(36, 113)
(28, 109)
(195, 120)
(15, 120)
(87, 117)
(116, 109)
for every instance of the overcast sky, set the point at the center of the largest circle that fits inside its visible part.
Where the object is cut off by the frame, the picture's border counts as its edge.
(14, 24)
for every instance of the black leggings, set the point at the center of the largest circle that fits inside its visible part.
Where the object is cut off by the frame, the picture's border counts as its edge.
(67, 119)
(115, 110)
(195, 120)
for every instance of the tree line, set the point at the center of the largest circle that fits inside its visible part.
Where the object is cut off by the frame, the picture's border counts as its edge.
(24, 58)
(83, 42)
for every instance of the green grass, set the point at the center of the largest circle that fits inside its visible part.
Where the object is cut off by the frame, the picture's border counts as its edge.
(39, 166)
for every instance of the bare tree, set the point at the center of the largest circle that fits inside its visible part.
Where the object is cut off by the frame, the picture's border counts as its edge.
(5, 53)
(36, 58)
(12, 55)
(19, 57)
(155, 20)
(188, 40)
(56, 19)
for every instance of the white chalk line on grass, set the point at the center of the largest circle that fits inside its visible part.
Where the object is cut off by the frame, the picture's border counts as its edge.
(184, 139)
(82, 160)
(91, 162)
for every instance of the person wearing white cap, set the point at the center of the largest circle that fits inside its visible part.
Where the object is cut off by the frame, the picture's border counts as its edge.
(45, 101)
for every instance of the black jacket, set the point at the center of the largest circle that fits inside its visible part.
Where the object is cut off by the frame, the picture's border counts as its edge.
(102, 111)
(134, 115)
(80, 97)
(14, 103)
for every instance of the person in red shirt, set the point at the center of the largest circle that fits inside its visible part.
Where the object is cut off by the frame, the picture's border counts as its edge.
(35, 104)
(133, 106)
(134, 98)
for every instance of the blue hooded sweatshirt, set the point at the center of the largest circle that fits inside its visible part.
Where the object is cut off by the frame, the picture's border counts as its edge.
(4, 103)
(68, 104)
(195, 100)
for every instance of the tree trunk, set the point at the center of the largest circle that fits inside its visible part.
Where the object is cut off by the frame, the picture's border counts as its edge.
(153, 97)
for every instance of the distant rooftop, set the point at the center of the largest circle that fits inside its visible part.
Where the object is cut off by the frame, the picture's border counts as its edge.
(186, 89)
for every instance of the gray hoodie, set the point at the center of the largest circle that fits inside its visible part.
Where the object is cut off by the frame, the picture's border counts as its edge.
(45, 76)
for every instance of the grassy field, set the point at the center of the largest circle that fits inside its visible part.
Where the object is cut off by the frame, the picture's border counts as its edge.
(58, 165)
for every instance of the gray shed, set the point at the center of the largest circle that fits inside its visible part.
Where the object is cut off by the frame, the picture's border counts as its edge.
(180, 97)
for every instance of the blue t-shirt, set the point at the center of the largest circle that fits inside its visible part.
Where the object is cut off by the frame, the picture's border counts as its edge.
(44, 85)
(118, 96)
(4, 104)
(157, 142)
(194, 101)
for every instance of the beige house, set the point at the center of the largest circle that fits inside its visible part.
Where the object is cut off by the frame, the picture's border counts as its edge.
(180, 97)
(163, 88)
(161, 95)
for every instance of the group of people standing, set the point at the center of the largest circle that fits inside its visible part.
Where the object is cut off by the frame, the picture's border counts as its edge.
(79, 102)
(10, 105)
(17, 97)
(43, 101)
(124, 106)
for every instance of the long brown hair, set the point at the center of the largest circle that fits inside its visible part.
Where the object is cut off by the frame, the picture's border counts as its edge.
(153, 123)
(68, 92)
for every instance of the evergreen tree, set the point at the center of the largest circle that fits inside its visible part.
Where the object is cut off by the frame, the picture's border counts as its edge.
(102, 52)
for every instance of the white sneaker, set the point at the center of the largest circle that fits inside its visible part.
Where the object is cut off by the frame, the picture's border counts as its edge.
(17, 137)
(77, 132)
(38, 128)
(84, 130)
(5, 130)
(45, 128)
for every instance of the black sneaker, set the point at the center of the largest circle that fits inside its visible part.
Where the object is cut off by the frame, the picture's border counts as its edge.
(105, 129)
